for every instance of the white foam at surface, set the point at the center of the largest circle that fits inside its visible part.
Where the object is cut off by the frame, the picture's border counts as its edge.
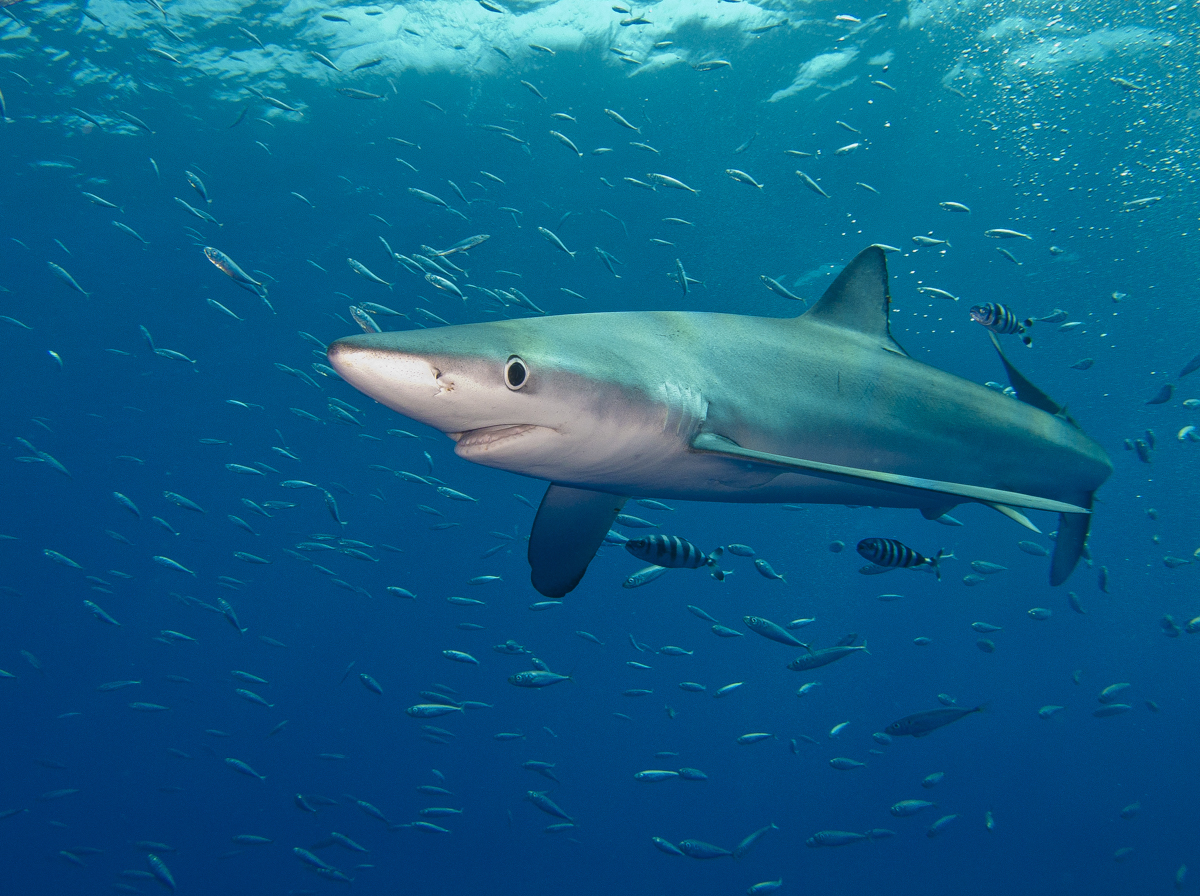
(1052, 53)
(458, 37)
(932, 12)
(816, 72)
(462, 37)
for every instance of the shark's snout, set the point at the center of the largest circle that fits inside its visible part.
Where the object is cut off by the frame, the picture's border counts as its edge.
(394, 378)
(341, 355)
(347, 358)
(455, 392)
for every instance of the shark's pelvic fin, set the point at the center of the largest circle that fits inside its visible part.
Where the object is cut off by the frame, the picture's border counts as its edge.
(569, 527)
(859, 299)
(1027, 391)
(1016, 516)
(713, 443)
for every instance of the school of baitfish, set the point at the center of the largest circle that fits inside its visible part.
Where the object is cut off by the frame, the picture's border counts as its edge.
(462, 270)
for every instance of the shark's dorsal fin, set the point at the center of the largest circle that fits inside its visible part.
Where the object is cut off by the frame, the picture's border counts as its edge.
(859, 299)
(1027, 391)
(570, 525)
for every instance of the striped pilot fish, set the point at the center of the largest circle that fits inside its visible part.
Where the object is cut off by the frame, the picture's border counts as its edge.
(670, 551)
(1001, 319)
(892, 554)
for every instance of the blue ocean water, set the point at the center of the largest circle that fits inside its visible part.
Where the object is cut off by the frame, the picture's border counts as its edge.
(1049, 121)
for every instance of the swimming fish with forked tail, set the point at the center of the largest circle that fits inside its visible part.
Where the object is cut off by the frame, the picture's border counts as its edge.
(230, 269)
(920, 724)
(892, 554)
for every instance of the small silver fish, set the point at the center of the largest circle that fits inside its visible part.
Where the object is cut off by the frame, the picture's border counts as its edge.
(363, 271)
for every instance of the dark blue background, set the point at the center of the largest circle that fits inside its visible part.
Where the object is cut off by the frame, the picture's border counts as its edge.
(1052, 150)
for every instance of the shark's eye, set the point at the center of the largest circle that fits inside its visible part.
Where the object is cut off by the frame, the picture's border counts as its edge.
(516, 373)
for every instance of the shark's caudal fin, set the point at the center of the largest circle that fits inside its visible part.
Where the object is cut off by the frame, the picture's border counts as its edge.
(569, 527)
(859, 299)
(1027, 391)
(1068, 547)
(1072, 527)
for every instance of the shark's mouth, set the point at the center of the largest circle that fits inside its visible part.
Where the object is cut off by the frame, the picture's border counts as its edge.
(489, 437)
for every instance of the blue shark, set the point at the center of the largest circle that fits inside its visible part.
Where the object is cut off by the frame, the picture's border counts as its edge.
(824, 408)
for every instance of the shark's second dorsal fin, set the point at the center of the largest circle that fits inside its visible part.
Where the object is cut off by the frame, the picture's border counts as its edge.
(1027, 391)
(859, 299)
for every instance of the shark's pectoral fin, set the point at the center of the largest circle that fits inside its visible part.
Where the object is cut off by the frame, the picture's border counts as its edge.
(570, 525)
(715, 444)
(1068, 546)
